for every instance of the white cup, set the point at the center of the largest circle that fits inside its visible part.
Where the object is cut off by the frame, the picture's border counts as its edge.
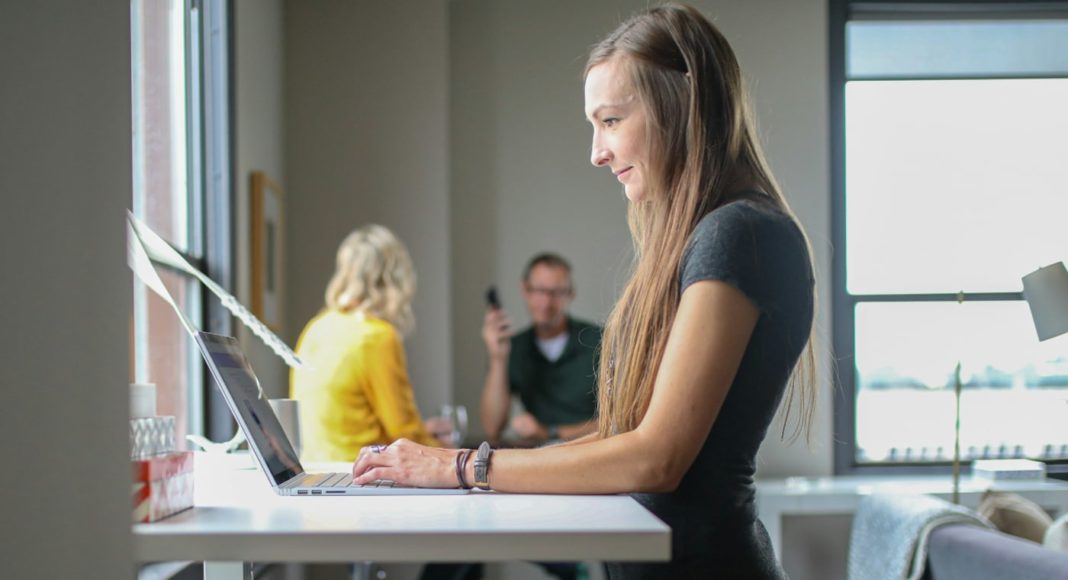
(287, 411)
(142, 400)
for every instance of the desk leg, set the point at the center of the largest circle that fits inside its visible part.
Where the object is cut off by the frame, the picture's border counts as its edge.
(227, 571)
(362, 571)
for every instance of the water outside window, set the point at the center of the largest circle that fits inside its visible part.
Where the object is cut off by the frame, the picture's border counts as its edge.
(1014, 400)
(955, 185)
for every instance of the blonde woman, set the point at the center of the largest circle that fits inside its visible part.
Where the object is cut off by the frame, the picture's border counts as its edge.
(716, 318)
(353, 387)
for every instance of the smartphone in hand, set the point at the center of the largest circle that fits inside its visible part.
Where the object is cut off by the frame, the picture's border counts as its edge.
(491, 298)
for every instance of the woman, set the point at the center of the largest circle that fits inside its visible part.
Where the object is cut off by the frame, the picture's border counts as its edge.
(353, 387)
(701, 346)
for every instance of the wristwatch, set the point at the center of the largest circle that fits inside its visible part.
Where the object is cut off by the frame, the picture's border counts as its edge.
(553, 431)
(482, 463)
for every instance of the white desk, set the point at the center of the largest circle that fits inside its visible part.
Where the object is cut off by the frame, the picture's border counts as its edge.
(778, 498)
(239, 518)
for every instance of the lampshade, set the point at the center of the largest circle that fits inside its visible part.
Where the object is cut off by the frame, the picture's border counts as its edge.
(1046, 291)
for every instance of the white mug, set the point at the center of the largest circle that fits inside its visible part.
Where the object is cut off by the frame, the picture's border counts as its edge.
(288, 415)
(142, 400)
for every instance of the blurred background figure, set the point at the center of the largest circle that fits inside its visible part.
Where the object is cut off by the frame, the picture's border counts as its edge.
(353, 387)
(551, 365)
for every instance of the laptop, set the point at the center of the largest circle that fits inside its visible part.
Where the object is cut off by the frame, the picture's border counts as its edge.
(265, 436)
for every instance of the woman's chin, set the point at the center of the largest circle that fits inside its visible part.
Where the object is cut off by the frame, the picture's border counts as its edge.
(633, 195)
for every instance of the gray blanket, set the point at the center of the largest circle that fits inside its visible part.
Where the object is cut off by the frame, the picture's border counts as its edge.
(889, 536)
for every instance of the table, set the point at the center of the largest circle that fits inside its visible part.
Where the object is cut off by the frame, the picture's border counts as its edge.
(238, 518)
(778, 498)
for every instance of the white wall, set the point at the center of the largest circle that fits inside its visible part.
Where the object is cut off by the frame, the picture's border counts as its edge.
(367, 141)
(65, 180)
(259, 146)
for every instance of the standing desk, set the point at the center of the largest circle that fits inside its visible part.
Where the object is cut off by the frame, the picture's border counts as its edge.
(237, 518)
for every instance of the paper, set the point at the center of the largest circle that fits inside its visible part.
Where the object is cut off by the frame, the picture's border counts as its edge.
(144, 247)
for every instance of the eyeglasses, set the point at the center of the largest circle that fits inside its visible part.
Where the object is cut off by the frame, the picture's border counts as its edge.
(554, 293)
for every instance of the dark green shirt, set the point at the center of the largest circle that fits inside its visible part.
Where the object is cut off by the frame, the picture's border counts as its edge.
(562, 392)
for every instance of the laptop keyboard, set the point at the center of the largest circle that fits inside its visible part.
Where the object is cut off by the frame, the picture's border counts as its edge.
(337, 480)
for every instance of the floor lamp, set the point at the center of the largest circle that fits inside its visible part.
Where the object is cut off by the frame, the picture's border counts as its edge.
(1046, 292)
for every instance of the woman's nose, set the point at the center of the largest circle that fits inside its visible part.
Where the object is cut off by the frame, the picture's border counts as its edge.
(599, 155)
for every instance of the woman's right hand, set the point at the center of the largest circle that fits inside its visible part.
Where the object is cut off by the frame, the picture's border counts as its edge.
(407, 463)
(497, 333)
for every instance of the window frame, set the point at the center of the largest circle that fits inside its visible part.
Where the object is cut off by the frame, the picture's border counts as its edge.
(844, 304)
(216, 27)
(209, 103)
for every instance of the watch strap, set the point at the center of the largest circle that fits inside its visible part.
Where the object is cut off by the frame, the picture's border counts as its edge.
(482, 464)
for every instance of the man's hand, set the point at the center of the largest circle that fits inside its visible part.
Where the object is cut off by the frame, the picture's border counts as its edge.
(527, 427)
(497, 333)
(442, 428)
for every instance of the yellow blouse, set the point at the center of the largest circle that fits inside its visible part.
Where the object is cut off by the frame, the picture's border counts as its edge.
(353, 387)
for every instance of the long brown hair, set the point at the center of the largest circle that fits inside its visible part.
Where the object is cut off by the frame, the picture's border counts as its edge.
(704, 152)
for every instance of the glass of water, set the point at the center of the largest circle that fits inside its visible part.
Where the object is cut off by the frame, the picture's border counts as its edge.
(453, 425)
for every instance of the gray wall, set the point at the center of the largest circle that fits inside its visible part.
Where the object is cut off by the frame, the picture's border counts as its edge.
(366, 125)
(65, 178)
(522, 181)
(521, 177)
(259, 50)
(368, 99)
(460, 125)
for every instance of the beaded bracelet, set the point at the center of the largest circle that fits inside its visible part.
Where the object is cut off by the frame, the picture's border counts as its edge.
(461, 463)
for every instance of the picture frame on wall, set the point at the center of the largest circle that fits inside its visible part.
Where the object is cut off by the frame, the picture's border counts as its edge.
(267, 242)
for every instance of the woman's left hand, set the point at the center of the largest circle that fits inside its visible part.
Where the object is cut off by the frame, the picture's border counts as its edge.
(406, 463)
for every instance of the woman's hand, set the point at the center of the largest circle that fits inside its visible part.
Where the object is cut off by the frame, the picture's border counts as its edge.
(406, 463)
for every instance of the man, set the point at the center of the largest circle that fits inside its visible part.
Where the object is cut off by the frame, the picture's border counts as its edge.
(551, 365)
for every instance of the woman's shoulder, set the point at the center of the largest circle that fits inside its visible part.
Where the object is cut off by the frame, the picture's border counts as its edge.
(744, 225)
(377, 329)
(744, 242)
(745, 214)
(351, 328)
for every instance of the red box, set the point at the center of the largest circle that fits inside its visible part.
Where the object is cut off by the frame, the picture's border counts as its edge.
(158, 499)
(159, 467)
(162, 485)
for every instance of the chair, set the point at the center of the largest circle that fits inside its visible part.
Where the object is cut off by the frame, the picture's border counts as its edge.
(890, 532)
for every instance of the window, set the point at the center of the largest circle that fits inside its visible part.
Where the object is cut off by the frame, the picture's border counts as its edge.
(949, 181)
(181, 190)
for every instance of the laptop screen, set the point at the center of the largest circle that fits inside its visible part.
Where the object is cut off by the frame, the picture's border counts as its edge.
(242, 391)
